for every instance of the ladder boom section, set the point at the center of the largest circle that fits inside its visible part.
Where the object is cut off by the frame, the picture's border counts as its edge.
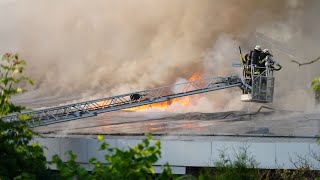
(93, 107)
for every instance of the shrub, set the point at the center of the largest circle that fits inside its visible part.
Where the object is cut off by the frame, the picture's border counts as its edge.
(243, 167)
(19, 158)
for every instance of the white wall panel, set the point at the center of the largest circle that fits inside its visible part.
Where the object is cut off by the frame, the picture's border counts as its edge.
(199, 153)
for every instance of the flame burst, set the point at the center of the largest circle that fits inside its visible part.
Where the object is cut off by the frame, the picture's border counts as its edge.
(182, 102)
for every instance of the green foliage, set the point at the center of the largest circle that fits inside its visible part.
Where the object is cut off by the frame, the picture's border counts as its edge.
(11, 69)
(71, 168)
(316, 88)
(19, 159)
(129, 163)
(303, 170)
(300, 173)
(316, 84)
(243, 167)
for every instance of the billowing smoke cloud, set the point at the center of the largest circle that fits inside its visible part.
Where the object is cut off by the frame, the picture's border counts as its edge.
(111, 47)
(295, 37)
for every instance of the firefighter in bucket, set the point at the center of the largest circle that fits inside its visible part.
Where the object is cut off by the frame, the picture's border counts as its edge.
(258, 80)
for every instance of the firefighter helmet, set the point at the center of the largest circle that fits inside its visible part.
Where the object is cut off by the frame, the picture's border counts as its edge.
(266, 51)
(258, 48)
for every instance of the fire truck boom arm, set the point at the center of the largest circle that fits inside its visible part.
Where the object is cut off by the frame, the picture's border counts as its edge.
(93, 107)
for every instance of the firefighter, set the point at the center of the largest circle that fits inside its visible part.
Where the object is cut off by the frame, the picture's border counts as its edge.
(269, 59)
(262, 63)
(270, 62)
(251, 61)
(265, 58)
(256, 55)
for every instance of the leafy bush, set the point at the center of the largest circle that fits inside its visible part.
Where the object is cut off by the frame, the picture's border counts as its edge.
(130, 163)
(316, 88)
(303, 168)
(11, 69)
(18, 157)
(243, 167)
(316, 84)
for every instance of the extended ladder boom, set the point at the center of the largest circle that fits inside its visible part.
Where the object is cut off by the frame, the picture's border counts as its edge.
(94, 107)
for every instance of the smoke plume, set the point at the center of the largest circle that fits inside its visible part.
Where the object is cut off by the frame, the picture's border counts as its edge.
(100, 48)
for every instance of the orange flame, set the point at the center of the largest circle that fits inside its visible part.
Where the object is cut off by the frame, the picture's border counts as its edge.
(183, 101)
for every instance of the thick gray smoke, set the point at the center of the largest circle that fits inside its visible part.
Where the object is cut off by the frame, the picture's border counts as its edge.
(111, 47)
(298, 35)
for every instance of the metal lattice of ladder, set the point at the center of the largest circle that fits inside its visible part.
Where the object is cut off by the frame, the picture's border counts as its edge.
(114, 103)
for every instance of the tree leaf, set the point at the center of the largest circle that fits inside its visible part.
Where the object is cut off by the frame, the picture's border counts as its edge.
(100, 138)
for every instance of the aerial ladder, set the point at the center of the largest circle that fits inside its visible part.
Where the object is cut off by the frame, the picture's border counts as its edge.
(255, 88)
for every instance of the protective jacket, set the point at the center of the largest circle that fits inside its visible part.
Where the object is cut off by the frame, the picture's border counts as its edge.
(255, 57)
